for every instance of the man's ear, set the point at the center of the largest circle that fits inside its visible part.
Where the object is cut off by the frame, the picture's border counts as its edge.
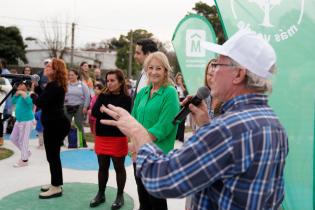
(240, 76)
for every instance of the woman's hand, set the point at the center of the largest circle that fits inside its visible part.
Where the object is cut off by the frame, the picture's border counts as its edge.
(21, 92)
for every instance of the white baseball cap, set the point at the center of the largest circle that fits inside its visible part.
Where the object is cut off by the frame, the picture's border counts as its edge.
(249, 50)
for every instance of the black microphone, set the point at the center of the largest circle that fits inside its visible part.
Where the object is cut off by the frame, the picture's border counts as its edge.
(33, 77)
(202, 93)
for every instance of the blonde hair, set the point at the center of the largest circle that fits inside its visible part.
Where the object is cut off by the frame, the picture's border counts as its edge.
(163, 59)
(206, 70)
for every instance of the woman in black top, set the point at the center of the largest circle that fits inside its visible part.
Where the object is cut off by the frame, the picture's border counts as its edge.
(110, 143)
(56, 125)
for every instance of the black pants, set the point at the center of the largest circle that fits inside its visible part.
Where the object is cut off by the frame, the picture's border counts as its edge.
(119, 166)
(54, 133)
(147, 201)
(181, 127)
(181, 131)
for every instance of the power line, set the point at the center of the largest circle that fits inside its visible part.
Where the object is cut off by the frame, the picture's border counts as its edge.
(65, 23)
(33, 20)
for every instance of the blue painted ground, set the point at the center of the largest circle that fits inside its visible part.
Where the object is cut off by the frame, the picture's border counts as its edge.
(33, 135)
(83, 159)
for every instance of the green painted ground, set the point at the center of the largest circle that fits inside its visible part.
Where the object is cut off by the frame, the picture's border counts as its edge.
(76, 196)
(5, 153)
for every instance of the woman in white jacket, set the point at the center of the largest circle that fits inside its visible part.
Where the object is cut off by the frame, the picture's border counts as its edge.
(5, 88)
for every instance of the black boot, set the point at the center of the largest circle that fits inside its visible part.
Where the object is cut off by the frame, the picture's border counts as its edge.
(99, 198)
(119, 202)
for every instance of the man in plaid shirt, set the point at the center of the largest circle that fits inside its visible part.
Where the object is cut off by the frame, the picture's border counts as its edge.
(235, 161)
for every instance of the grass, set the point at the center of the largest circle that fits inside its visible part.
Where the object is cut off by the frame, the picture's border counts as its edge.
(89, 137)
(5, 153)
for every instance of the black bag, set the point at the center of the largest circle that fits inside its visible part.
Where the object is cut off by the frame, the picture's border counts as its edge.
(10, 125)
(73, 138)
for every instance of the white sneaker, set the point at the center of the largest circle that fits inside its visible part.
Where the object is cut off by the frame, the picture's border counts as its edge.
(20, 163)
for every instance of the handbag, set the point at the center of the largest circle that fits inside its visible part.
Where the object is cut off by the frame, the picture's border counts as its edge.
(10, 124)
(73, 138)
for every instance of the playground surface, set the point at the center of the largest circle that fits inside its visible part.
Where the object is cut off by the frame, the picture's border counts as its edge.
(20, 186)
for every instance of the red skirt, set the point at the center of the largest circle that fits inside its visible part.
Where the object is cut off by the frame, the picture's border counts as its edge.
(112, 146)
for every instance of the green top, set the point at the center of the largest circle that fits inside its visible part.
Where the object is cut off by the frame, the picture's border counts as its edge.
(156, 114)
(23, 107)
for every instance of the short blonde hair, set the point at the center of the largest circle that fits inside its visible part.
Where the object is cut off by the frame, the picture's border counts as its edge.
(164, 60)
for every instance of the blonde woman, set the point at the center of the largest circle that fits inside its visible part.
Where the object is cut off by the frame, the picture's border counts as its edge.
(155, 107)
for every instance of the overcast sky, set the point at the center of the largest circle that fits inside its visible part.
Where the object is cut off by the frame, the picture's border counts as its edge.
(97, 19)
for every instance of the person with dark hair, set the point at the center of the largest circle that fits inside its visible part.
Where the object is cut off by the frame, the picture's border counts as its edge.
(85, 76)
(77, 101)
(98, 87)
(143, 48)
(110, 143)
(56, 125)
(24, 121)
(3, 67)
(27, 70)
(182, 93)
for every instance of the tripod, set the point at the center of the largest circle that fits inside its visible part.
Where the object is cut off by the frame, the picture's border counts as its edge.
(12, 91)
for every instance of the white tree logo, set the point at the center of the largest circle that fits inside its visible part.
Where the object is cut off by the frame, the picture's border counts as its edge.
(266, 6)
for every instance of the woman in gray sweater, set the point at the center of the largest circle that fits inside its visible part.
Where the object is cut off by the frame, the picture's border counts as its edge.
(77, 101)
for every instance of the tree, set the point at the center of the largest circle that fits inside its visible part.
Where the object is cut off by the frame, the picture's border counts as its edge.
(167, 48)
(211, 13)
(122, 47)
(56, 37)
(12, 47)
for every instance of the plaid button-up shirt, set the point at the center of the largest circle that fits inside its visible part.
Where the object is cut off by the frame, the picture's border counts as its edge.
(234, 162)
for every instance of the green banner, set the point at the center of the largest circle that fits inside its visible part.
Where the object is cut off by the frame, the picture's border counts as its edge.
(192, 58)
(290, 28)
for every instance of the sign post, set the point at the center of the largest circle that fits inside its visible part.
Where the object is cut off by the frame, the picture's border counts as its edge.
(192, 58)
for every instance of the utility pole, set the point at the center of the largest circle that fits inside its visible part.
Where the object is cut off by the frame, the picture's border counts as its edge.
(130, 55)
(72, 43)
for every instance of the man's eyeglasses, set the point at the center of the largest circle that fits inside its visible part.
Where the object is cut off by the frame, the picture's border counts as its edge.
(215, 65)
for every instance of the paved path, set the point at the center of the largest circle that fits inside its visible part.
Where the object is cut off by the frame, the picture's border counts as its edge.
(37, 173)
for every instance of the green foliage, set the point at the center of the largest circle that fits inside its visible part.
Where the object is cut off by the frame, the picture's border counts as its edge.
(12, 46)
(122, 47)
(211, 13)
